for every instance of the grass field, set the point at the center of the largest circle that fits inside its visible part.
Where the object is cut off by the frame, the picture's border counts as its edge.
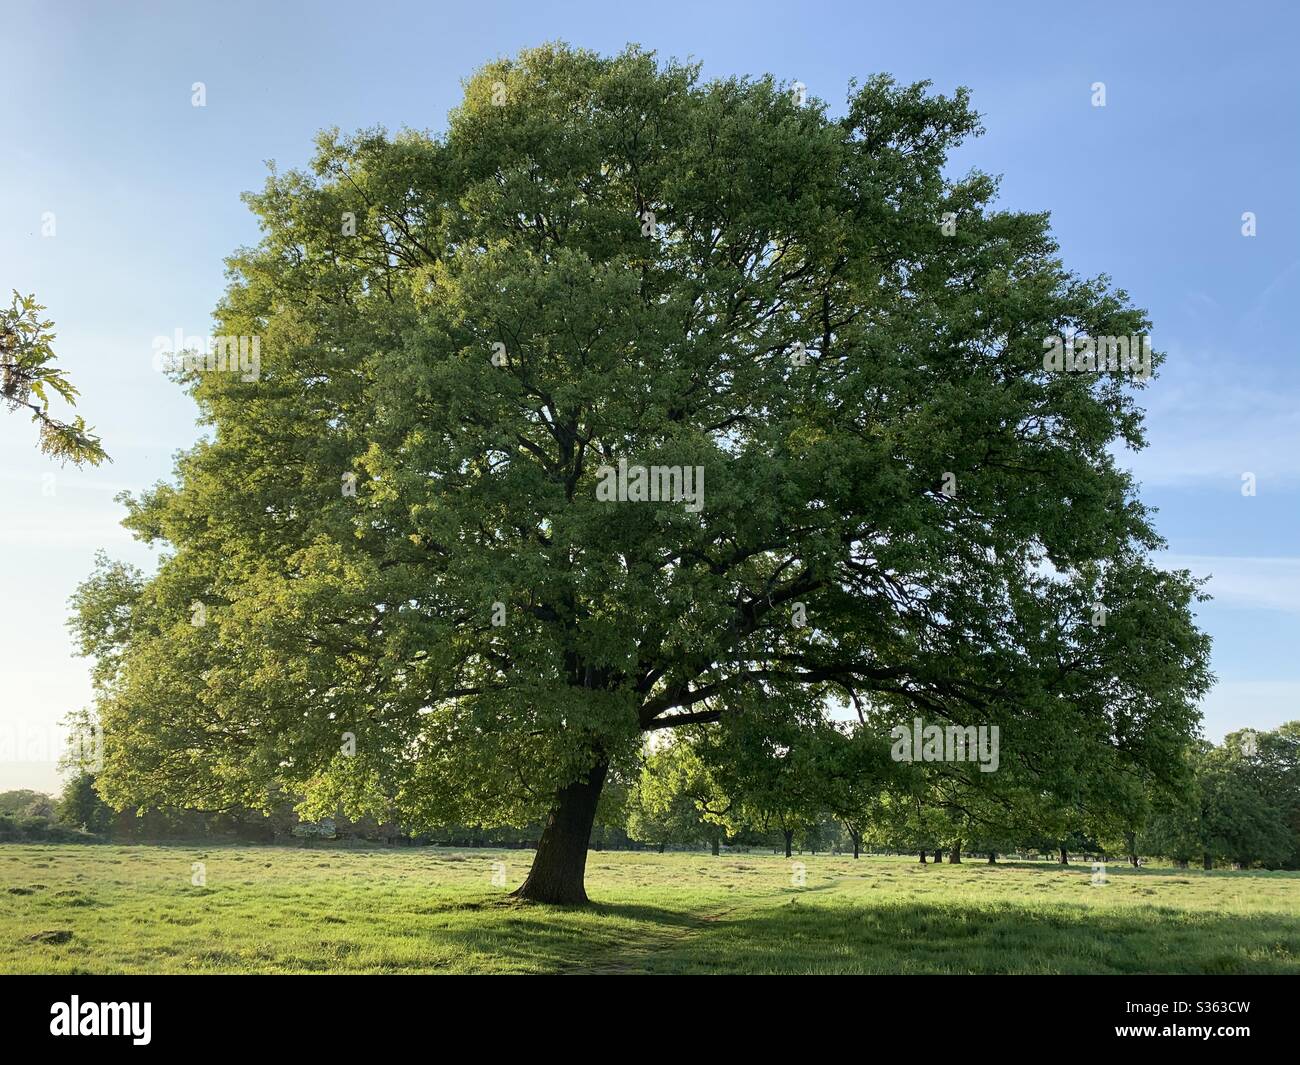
(108, 909)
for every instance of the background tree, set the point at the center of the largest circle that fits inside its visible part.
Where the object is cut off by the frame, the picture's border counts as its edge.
(1240, 821)
(23, 802)
(668, 802)
(773, 776)
(610, 828)
(1173, 828)
(1236, 808)
(855, 767)
(28, 376)
(1272, 762)
(396, 531)
(81, 807)
(901, 821)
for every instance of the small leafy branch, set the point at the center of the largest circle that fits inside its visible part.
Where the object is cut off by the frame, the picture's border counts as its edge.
(28, 375)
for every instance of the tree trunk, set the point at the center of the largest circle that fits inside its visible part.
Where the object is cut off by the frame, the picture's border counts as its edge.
(857, 842)
(923, 857)
(954, 855)
(1065, 856)
(716, 846)
(938, 856)
(993, 857)
(789, 840)
(560, 865)
(1131, 839)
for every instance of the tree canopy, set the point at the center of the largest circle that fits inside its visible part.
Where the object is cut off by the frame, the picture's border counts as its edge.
(390, 579)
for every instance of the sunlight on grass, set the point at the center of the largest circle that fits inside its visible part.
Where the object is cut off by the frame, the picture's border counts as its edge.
(97, 909)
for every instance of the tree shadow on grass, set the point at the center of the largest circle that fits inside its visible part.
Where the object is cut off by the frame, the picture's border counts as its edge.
(510, 935)
(809, 936)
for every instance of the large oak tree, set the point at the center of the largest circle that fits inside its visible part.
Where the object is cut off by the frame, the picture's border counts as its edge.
(413, 596)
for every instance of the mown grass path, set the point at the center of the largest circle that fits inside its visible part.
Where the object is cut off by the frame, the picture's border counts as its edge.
(287, 909)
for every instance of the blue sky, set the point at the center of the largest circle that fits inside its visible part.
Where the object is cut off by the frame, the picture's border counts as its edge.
(1201, 124)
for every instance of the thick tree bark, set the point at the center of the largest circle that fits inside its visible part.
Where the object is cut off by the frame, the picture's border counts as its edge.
(560, 865)
(1065, 856)
(789, 840)
(1207, 862)
(923, 857)
(938, 856)
(993, 857)
(717, 847)
(954, 855)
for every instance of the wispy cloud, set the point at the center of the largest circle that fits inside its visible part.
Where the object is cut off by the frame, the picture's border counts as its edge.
(1223, 404)
(1256, 583)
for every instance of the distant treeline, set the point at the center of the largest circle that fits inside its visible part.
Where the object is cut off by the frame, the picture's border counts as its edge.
(78, 815)
(1240, 805)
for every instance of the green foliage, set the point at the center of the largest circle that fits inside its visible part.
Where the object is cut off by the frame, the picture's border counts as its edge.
(81, 807)
(793, 320)
(28, 379)
(1272, 764)
(675, 799)
(1239, 821)
(768, 775)
(1242, 805)
(30, 816)
(24, 803)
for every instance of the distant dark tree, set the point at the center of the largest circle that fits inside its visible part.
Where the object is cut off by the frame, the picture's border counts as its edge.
(22, 802)
(81, 807)
(1237, 809)
(1240, 821)
(1272, 762)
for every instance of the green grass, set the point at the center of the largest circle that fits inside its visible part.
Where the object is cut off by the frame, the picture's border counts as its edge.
(109, 909)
